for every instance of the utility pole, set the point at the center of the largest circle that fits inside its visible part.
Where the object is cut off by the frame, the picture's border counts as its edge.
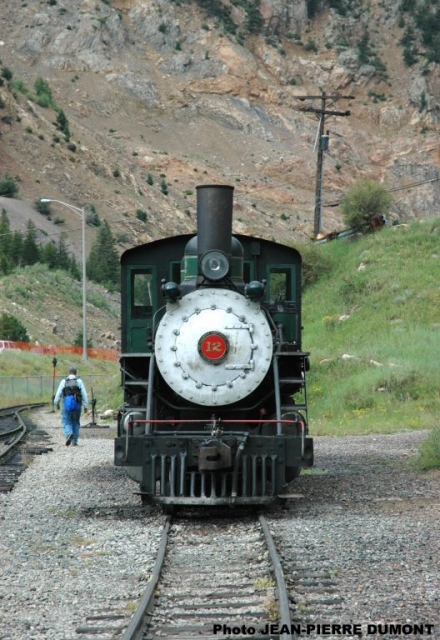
(322, 146)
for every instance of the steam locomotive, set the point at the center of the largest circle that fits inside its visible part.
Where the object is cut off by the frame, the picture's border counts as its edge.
(213, 374)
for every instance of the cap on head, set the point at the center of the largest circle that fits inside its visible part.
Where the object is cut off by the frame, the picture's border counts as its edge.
(72, 370)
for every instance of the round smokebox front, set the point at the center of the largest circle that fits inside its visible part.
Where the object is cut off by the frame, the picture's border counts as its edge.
(213, 347)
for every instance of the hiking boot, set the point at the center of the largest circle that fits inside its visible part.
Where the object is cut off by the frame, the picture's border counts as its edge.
(69, 439)
(74, 444)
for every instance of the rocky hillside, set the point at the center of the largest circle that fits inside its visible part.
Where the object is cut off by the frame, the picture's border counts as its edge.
(162, 95)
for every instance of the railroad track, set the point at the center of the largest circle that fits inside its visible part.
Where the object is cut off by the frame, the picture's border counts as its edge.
(212, 579)
(19, 439)
(223, 578)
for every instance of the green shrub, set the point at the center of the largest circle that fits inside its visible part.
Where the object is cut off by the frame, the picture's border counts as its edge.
(122, 238)
(141, 215)
(44, 93)
(20, 86)
(363, 202)
(44, 100)
(7, 74)
(43, 208)
(8, 186)
(315, 263)
(78, 342)
(311, 46)
(92, 217)
(429, 452)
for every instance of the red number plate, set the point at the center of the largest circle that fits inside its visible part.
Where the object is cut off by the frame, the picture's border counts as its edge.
(213, 346)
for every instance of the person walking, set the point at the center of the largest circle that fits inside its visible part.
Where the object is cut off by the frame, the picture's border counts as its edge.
(74, 395)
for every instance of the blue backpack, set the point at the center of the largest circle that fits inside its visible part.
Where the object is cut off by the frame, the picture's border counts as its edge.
(72, 395)
(70, 403)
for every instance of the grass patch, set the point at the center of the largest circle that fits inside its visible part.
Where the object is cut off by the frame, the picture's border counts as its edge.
(314, 472)
(264, 583)
(429, 452)
(80, 541)
(372, 324)
(27, 377)
(63, 513)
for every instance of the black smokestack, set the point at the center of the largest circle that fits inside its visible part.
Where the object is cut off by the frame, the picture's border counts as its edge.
(214, 218)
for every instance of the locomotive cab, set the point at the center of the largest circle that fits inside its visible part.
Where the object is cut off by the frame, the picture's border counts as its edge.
(214, 378)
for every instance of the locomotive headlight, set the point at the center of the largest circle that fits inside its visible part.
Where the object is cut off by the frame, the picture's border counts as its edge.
(171, 291)
(254, 290)
(214, 265)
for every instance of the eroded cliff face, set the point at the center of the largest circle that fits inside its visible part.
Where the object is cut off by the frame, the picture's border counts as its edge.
(160, 98)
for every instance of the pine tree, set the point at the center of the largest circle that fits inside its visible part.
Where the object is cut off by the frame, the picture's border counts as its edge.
(49, 254)
(30, 252)
(12, 329)
(5, 244)
(63, 124)
(63, 259)
(8, 186)
(16, 249)
(74, 268)
(103, 262)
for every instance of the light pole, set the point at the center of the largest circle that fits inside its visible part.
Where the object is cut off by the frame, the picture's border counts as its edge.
(82, 213)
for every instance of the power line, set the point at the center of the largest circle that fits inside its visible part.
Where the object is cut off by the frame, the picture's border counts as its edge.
(393, 189)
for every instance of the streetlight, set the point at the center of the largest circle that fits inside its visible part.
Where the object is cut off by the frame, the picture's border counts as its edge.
(82, 213)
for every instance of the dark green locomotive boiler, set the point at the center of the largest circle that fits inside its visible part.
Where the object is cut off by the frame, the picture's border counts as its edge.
(213, 372)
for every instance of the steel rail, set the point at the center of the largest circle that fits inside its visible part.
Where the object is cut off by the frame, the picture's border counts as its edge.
(135, 630)
(138, 625)
(283, 599)
(20, 432)
(9, 432)
(6, 411)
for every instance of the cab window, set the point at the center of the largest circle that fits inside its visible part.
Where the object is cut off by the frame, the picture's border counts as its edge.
(143, 292)
(281, 284)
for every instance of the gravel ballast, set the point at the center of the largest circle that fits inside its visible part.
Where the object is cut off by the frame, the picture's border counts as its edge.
(74, 540)
(76, 543)
(369, 526)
